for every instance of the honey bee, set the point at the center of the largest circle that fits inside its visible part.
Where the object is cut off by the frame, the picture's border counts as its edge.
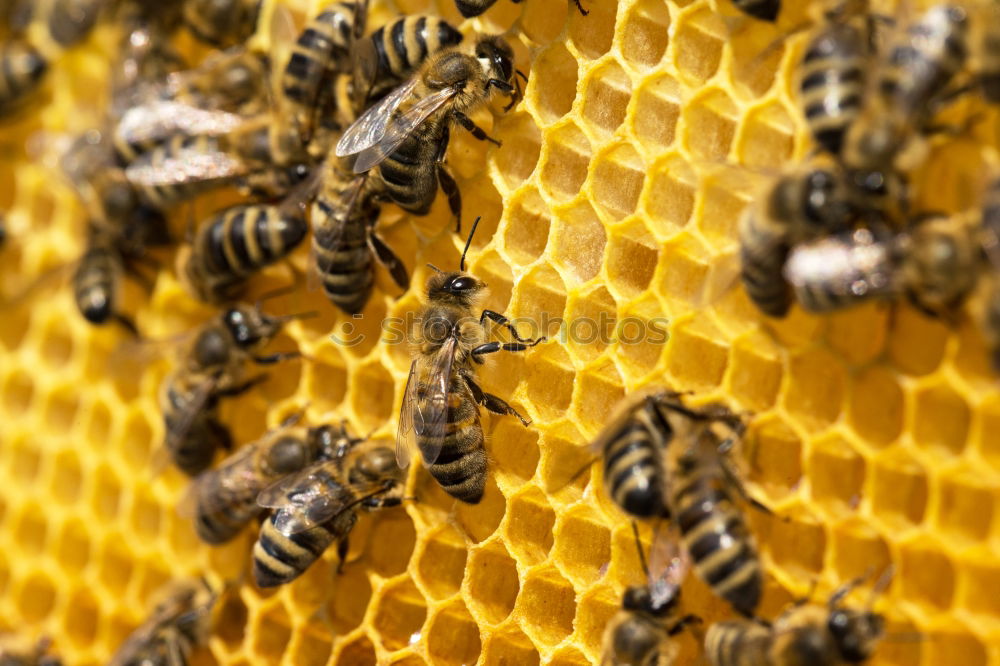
(912, 81)
(14, 652)
(402, 139)
(439, 417)
(221, 23)
(235, 243)
(940, 261)
(991, 251)
(225, 498)
(701, 498)
(212, 369)
(799, 206)
(22, 67)
(989, 54)
(318, 506)
(804, 634)
(641, 633)
(634, 445)
(472, 8)
(344, 240)
(177, 626)
(842, 270)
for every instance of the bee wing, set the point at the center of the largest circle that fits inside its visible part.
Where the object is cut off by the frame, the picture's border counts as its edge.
(332, 231)
(303, 500)
(235, 474)
(186, 165)
(400, 128)
(668, 565)
(369, 129)
(364, 65)
(430, 411)
(406, 439)
(161, 119)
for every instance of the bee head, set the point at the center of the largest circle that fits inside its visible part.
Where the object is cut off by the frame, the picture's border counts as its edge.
(248, 326)
(855, 633)
(496, 57)
(288, 455)
(376, 465)
(458, 287)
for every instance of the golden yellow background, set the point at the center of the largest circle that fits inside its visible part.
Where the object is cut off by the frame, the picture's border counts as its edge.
(876, 431)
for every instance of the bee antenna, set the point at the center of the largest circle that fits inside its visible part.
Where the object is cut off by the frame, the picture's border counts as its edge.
(524, 77)
(461, 263)
(881, 585)
(435, 268)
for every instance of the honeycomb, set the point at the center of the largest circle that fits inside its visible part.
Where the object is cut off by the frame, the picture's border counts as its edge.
(872, 438)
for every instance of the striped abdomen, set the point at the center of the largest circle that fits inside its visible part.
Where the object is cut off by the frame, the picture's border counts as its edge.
(241, 240)
(633, 471)
(21, 70)
(716, 537)
(738, 643)
(403, 45)
(95, 280)
(408, 177)
(321, 47)
(461, 467)
(763, 250)
(934, 50)
(279, 559)
(193, 448)
(833, 81)
(223, 23)
(765, 10)
(340, 244)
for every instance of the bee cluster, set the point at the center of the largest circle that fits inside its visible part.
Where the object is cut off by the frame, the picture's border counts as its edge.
(846, 226)
(332, 123)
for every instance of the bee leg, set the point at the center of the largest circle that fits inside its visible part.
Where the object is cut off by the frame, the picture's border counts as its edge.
(503, 321)
(683, 622)
(342, 547)
(493, 347)
(126, 322)
(450, 189)
(172, 641)
(583, 12)
(389, 260)
(239, 389)
(382, 502)
(474, 129)
(734, 479)
(276, 357)
(492, 403)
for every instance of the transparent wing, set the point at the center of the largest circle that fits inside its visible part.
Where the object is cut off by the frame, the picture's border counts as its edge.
(235, 480)
(305, 499)
(364, 63)
(369, 129)
(400, 128)
(668, 565)
(406, 439)
(186, 165)
(158, 120)
(430, 414)
(178, 430)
